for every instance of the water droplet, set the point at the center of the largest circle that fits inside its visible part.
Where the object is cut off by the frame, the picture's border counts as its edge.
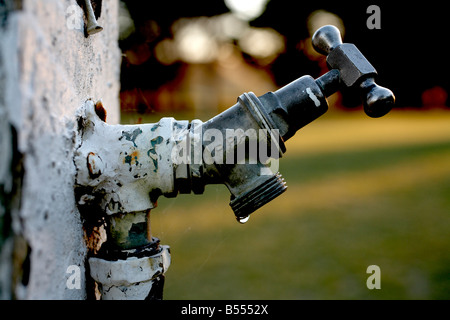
(243, 219)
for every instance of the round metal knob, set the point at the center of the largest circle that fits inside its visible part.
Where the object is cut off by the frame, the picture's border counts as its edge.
(353, 70)
(377, 100)
(326, 39)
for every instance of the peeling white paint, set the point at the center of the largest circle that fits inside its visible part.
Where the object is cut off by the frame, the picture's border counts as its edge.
(136, 161)
(131, 278)
(313, 97)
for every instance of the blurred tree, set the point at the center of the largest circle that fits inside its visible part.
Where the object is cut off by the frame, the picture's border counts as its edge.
(406, 50)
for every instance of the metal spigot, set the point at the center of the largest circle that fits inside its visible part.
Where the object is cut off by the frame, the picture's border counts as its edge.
(123, 169)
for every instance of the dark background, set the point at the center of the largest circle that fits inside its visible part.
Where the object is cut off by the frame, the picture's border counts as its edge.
(409, 51)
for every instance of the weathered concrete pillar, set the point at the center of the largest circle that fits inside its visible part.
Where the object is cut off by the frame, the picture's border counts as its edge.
(48, 69)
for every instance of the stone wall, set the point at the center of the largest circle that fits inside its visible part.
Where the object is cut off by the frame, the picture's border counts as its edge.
(48, 69)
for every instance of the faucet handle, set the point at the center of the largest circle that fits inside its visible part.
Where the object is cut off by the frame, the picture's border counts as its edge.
(354, 71)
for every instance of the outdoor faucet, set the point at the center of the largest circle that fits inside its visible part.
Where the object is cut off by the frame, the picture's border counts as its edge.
(123, 169)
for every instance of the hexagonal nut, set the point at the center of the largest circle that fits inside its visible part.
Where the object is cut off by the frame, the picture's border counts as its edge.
(351, 63)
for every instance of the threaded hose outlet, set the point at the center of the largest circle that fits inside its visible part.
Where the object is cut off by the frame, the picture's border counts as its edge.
(254, 199)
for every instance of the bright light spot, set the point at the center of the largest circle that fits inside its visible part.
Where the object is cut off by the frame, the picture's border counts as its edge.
(247, 9)
(231, 27)
(166, 52)
(194, 42)
(262, 43)
(204, 40)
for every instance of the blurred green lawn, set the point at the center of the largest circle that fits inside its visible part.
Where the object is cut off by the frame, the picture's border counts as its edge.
(361, 192)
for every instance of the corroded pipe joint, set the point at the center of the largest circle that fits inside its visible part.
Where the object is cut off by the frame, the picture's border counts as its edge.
(242, 147)
(125, 168)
